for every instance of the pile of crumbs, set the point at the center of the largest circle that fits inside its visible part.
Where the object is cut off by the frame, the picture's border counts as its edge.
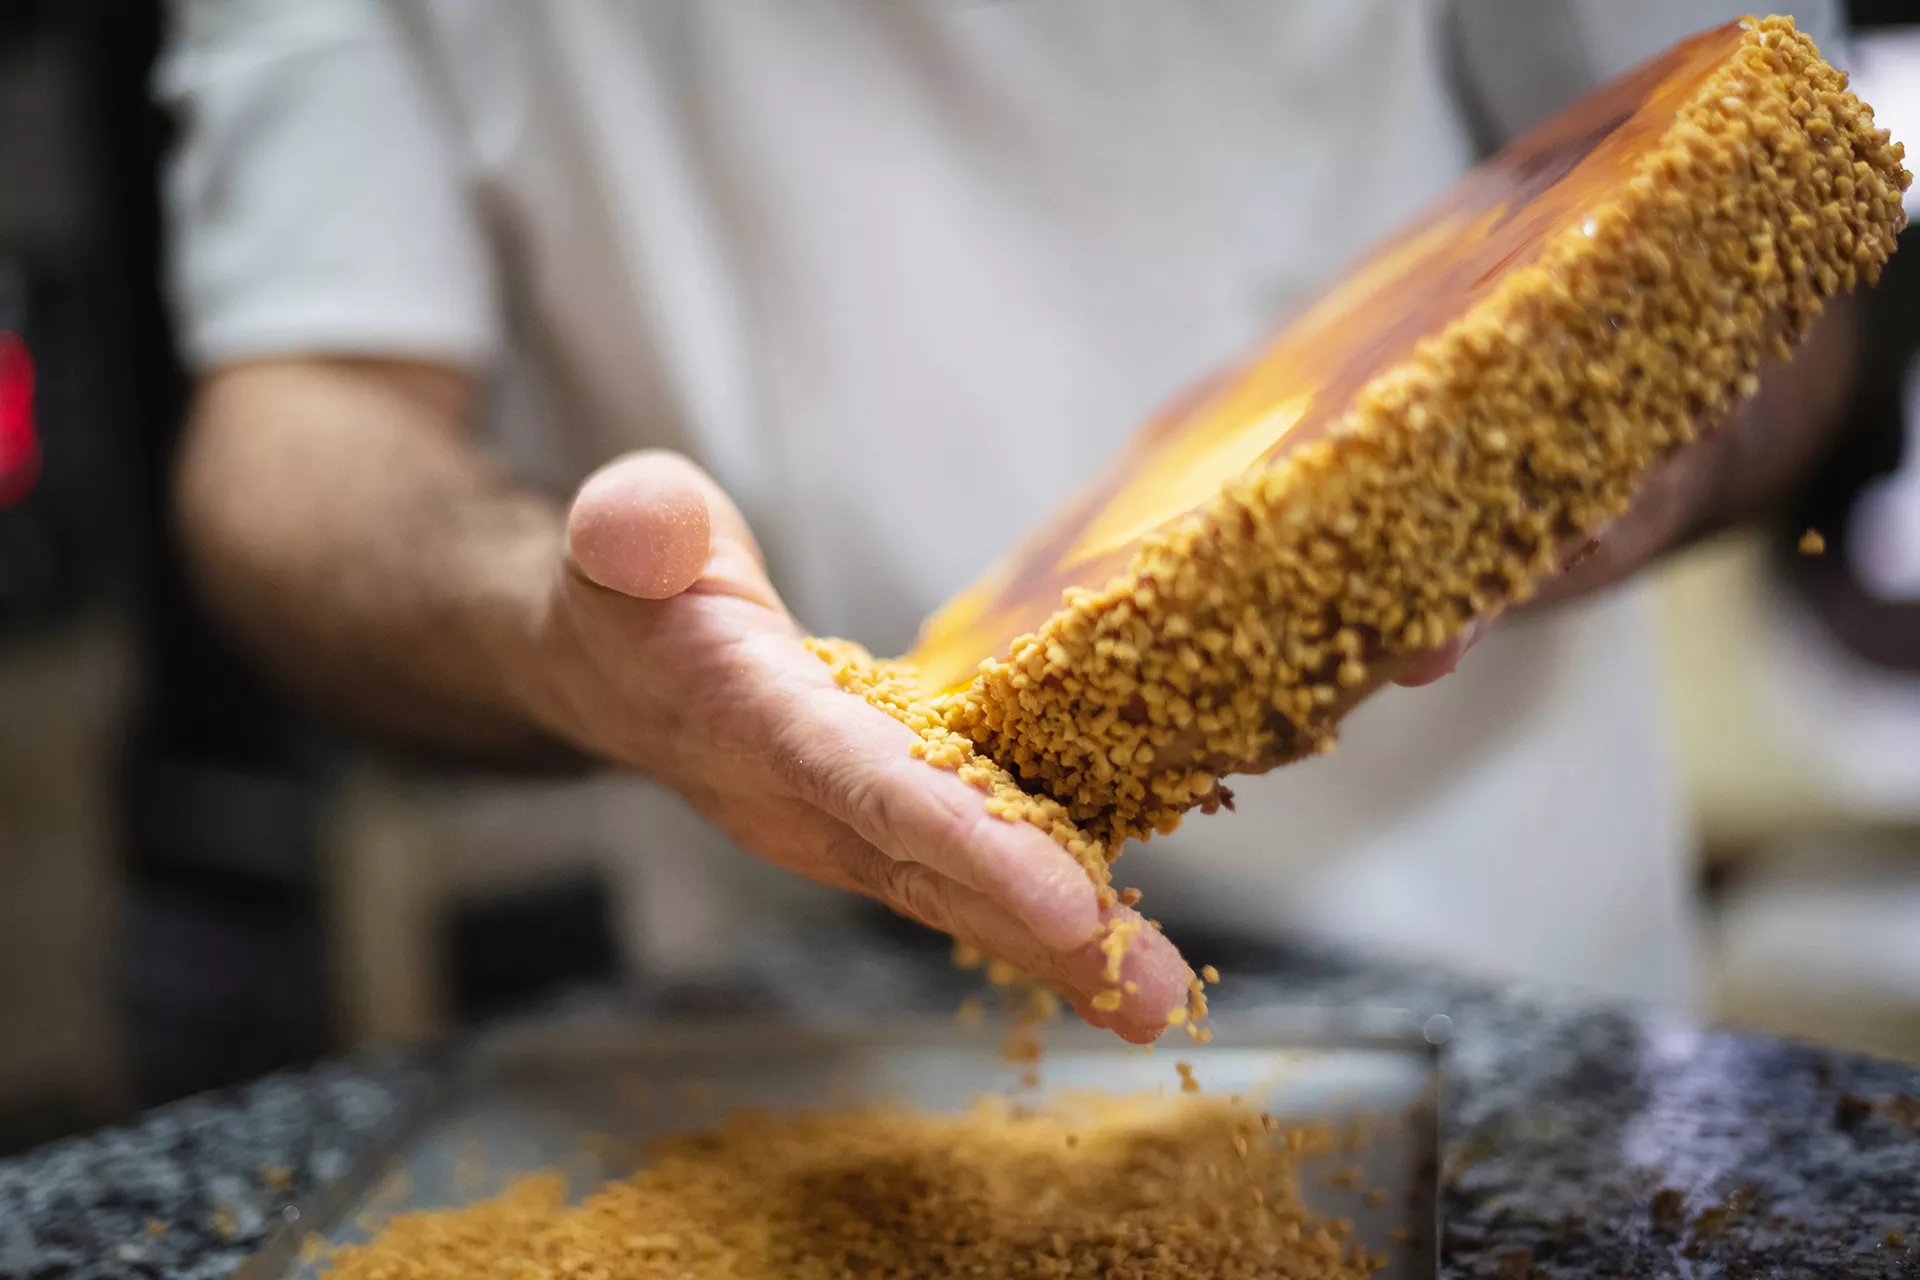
(1165, 1187)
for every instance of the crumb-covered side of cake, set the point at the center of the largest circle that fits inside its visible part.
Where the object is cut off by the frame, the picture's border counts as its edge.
(1449, 485)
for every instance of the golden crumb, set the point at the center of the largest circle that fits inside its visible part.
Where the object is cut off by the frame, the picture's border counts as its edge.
(1130, 897)
(224, 1222)
(156, 1228)
(1002, 974)
(1346, 1179)
(1033, 1006)
(1187, 1082)
(1106, 1001)
(972, 1013)
(1812, 544)
(277, 1178)
(1117, 937)
(1096, 1187)
(1209, 974)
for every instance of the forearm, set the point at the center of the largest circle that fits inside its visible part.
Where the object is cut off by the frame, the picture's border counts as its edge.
(340, 521)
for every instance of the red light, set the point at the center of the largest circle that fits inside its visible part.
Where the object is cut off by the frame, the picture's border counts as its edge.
(19, 439)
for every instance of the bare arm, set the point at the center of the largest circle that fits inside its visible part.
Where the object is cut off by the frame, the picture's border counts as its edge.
(340, 517)
(340, 520)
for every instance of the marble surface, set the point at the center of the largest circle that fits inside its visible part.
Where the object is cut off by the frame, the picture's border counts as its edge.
(1579, 1141)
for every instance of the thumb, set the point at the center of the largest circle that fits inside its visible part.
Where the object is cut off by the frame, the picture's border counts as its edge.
(641, 526)
(652, 524)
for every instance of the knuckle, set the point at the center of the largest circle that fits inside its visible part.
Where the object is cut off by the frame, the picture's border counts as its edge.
(800, 765)
(862, 799)
(863, 865)
(917, 892)
(981, 854)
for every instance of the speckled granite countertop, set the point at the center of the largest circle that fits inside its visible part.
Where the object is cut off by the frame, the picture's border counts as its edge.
(1580, 1142)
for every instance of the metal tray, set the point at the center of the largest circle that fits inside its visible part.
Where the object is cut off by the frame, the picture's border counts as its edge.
(541, 1096)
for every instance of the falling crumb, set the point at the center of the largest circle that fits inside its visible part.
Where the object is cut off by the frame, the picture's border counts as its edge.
(156, 1228)
(1135, 1187)
(1002, 974)
(972, 1013)
(1811, 543)
(1033, 1006)
(224, 1222)
(1187, 1083)
(1896, 1239)
(1130, 897)
(277, 1178)
(1374, 1198)
(1118, 937)
(1398, 1234)
(1209, 974)
(1346, 1179)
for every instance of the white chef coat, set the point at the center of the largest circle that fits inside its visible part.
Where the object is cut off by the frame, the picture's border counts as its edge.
(898, 272)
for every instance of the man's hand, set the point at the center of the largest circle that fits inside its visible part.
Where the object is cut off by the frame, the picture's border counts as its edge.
(342, 519)
(665, 648)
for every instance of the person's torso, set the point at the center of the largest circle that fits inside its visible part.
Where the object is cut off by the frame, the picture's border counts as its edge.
(901, 272)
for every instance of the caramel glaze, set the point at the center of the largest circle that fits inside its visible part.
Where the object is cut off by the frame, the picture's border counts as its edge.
(1494, 220)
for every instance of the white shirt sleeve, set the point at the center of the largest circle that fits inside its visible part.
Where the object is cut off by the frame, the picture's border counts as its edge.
(317, 197)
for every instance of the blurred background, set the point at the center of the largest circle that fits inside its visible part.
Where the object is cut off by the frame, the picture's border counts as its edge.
(196, 885)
